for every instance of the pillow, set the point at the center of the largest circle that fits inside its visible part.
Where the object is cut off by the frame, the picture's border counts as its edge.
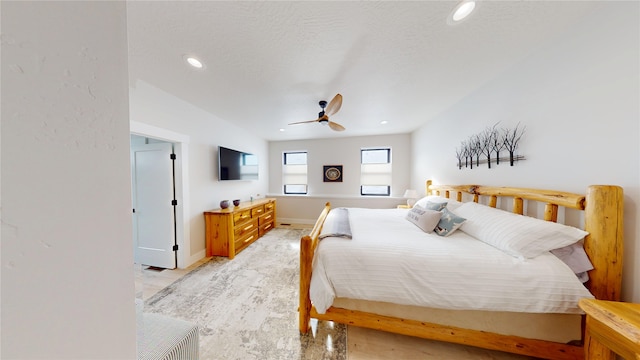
(452, 204)
(425, 219)
(576, 259)
(336, 224)
(437, 206)
(516, 235)
(449, 223)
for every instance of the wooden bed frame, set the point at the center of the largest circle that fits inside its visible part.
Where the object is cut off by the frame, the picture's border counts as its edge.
(603, 219)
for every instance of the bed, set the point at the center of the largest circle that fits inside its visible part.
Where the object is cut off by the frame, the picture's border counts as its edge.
(538, 330)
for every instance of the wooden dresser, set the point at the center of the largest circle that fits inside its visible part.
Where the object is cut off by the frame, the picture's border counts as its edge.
(229, 231)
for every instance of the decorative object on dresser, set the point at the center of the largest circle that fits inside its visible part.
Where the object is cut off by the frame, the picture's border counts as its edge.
(228, 231)
(224, 204)
(236, 202)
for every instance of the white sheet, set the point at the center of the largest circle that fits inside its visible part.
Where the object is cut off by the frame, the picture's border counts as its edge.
(391, 260)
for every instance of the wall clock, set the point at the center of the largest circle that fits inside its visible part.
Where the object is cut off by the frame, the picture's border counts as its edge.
(332, 173)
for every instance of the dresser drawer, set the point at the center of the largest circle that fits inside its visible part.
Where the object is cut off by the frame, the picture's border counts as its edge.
(266, 227)
(269, 206)
(257, 211)
(265, 218)
(241, 216)
(245, 227)
(245, 240)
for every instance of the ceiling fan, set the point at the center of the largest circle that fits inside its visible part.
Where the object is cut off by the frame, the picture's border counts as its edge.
(323, 116)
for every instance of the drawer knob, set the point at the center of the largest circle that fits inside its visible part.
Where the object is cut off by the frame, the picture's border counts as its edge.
(248, 227)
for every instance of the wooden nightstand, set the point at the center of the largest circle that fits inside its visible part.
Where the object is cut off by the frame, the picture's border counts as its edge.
(611, 327)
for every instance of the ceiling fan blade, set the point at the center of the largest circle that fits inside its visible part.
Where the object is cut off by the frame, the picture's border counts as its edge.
(336, 126)
(304, 122)
(334, 105)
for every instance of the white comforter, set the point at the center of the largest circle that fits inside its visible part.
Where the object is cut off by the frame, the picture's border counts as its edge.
(391, 260)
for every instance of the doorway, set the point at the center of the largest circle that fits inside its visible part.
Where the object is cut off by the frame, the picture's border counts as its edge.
(180, 144)
(153, 202)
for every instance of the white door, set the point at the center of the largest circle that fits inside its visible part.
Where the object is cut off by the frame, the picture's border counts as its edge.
(153, 217)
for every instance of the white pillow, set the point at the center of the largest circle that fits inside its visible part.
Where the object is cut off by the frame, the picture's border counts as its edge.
(516, 235)
(452, 204)
(425, 219)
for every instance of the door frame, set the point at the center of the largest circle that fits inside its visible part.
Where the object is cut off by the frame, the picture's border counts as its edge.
(181, 149)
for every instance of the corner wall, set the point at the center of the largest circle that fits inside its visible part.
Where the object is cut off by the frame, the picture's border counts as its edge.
(579, 98)
(160, 109)
(67, 257)
(343, 151)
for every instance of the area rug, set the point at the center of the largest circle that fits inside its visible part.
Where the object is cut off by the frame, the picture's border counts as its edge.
(246, 308)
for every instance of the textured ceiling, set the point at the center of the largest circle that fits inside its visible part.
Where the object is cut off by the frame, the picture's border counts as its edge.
(269, 63)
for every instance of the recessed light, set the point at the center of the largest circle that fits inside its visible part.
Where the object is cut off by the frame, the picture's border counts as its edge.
(281, 130)
(461, 11)
(383, 122)
(194, 62)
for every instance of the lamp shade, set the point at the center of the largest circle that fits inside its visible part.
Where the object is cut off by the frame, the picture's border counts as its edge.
(410, 194)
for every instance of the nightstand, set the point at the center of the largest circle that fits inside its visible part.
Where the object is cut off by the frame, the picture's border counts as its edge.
(611, 327)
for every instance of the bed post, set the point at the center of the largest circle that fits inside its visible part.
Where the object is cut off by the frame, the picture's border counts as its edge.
(428, 183)
(308, 244)
(304, 310)
(603, 219)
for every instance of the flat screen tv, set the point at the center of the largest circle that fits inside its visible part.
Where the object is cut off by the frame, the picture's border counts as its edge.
(236, 165)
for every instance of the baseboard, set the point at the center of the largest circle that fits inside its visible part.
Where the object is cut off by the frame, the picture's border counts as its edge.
(195, 258)
(291, 221)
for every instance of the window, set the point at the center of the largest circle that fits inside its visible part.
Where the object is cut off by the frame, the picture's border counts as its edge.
(294, 172)
(375, 172)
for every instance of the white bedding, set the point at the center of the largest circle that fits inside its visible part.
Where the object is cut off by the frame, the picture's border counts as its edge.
(391, 260)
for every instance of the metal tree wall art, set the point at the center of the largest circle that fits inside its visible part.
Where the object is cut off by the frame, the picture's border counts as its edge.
(460, 154)
(486, 141)
(510, 139)
(497, 144)
(490, 141)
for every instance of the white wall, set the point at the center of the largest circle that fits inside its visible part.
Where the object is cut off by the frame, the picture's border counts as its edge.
(67, 260)
(156, 107)
(579, 100)
(336, 151)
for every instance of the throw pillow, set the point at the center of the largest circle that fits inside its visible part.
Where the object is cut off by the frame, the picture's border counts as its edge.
(449, 223)
(425, 219)
(437, 206)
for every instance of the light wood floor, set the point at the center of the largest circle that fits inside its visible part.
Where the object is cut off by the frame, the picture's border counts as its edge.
(363, 344)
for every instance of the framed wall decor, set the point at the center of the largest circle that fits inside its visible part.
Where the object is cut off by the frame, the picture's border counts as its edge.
(332, 173)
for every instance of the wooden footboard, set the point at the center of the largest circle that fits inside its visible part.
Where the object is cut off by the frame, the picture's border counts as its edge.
(603, 213)
(483, 339)
(308, 245)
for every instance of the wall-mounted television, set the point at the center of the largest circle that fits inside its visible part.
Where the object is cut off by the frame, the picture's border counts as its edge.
(236, 165)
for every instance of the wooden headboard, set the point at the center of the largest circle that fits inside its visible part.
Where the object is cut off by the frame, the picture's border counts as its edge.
(603, 218)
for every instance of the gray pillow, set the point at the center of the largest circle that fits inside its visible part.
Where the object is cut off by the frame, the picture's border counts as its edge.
(425, 219)
(449, 223)
(437, 206)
